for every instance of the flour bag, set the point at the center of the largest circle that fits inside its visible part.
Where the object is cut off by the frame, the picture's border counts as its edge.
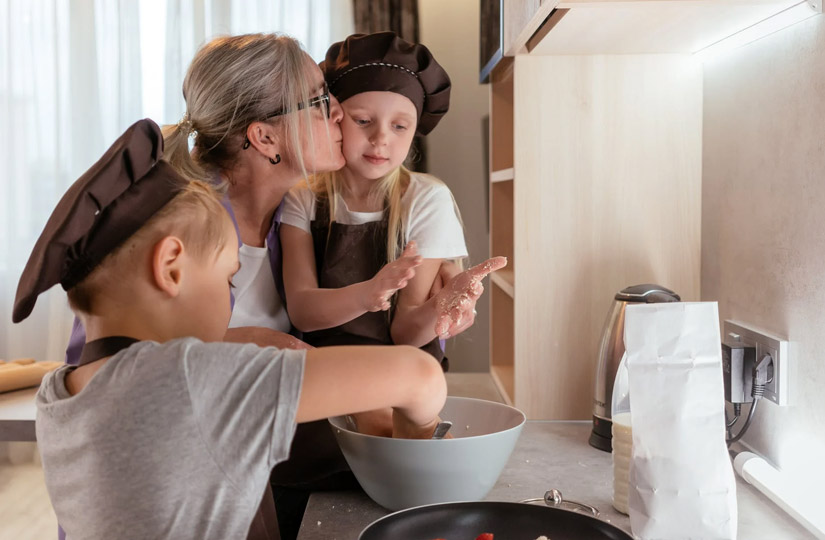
(681, 477)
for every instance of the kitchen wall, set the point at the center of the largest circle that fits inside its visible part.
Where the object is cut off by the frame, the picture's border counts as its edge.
(456, 150)
(763, 221)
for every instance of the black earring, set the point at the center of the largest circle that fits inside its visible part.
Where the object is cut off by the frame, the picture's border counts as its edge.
(276, 160)
(245, 143)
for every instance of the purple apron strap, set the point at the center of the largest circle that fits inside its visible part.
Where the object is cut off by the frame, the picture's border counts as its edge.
(273, 243)
(76, 341)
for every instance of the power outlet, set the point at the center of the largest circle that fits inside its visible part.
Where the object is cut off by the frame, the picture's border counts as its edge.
(777, 389)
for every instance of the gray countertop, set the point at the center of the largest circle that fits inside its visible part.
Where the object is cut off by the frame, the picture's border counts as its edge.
(547, 455)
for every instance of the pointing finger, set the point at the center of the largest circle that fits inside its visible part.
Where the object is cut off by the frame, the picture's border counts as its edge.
(490, 265)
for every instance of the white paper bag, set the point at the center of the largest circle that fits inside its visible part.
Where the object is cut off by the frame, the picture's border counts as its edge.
(681, 477)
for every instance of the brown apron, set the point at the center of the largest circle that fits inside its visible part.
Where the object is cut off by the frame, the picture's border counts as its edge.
(354, 253)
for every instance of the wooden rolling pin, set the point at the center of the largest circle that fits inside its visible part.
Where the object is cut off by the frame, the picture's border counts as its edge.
(23, 373)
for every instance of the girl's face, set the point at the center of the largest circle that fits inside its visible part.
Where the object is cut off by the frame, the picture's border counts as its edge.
(378, 129)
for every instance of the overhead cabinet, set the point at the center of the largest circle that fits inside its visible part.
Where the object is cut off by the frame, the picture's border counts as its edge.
(595, 170)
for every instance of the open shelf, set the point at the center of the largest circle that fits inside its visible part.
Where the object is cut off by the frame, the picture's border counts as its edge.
(504, 377)
(502, 175)
(505, 280)
(501, 117)
(502, 342)
(501, 222)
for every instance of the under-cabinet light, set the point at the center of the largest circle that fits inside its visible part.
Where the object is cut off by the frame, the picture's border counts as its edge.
(785, 18)
(801, 501)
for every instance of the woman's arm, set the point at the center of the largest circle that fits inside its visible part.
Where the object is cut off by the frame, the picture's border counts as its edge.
(264, 337)
(312, 308)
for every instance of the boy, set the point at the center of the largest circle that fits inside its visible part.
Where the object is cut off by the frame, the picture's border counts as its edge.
(156, 434)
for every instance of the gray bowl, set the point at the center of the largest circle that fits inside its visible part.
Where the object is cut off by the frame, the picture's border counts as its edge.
(402, 473)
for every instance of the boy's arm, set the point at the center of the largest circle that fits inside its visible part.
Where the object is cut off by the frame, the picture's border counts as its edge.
(345, 380)
(312, 308)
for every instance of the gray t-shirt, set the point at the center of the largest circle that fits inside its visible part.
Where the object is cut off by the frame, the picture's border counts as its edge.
(172, 440)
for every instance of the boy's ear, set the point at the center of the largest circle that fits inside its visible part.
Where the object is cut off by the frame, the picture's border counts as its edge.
(167, 265)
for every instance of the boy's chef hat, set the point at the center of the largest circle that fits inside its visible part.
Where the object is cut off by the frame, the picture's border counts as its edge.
(104, 207)
(384, 62)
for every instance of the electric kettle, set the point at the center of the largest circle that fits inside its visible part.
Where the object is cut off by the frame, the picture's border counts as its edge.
(611, 351)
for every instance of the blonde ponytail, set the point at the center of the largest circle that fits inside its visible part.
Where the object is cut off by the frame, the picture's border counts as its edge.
(176, 152)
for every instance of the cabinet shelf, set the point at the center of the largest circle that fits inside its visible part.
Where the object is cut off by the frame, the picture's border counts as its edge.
(504, 379)
(503, 175)
(505, 280)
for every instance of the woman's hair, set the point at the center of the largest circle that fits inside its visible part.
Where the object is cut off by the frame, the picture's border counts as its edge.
(232, 82)
(195, 215)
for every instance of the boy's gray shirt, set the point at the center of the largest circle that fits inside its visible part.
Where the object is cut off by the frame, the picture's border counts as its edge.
(172, 440)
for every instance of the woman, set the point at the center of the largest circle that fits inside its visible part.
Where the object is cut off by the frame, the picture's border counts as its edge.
(262, 119)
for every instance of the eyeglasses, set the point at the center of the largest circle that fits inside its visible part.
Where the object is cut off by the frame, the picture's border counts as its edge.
(321, 102)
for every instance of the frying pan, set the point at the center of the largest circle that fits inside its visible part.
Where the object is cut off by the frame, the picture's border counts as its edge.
(505, 520)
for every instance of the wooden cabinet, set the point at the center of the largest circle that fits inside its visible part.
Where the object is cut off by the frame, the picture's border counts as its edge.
(505, 26)
(596, 173)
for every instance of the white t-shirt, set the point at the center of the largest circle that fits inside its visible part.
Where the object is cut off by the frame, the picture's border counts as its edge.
(257, 302)
(428, 212)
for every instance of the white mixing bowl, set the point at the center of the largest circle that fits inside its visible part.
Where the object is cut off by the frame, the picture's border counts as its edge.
(402, 473)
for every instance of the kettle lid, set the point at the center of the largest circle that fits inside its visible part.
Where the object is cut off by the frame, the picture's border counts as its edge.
(648, 293)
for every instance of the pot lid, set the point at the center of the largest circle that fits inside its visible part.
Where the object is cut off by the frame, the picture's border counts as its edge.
(648, 293)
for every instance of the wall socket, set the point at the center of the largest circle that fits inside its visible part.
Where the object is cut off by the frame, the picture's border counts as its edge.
(765, 343)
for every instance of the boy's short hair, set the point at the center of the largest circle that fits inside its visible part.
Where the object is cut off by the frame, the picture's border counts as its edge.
(195, 215)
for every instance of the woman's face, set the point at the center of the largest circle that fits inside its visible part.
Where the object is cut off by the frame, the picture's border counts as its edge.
(322, 152)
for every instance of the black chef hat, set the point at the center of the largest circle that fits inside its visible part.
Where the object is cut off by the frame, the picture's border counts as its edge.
(103, 208)
(384, 62)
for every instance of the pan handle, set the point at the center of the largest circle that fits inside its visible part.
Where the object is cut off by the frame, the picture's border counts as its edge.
(554, 498)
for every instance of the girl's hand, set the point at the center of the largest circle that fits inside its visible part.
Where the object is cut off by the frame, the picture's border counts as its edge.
(389, 279)
(456, 302)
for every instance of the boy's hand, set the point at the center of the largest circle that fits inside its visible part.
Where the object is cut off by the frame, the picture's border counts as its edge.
(457, 300)
(402, 428)
(378, 422)
(389, 279)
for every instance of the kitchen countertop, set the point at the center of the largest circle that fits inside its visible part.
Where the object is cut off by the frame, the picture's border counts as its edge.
(17, 412)
(547, 455)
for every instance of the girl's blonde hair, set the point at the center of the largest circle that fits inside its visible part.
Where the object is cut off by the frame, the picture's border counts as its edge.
(389, 189)
(232, 82)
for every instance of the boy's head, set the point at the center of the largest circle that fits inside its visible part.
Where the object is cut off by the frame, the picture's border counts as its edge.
(383, 62)
(132, 221)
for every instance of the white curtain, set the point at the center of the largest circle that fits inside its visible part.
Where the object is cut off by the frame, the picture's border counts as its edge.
(73, 75)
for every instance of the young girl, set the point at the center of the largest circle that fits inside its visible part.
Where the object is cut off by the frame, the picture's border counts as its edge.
(344, 232)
